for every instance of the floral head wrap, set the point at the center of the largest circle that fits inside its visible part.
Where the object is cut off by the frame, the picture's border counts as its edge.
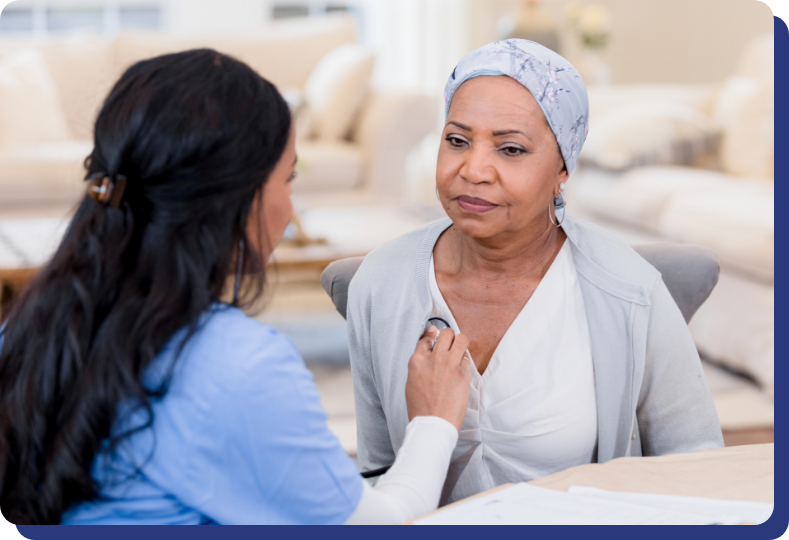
(552, 80)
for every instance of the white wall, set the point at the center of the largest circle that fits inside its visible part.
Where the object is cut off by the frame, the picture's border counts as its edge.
(682, 41)
(418, 42)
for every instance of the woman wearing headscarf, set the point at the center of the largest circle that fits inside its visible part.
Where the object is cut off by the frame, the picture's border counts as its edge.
(579, 353)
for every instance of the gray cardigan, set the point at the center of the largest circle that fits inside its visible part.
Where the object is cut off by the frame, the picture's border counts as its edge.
(652, 396)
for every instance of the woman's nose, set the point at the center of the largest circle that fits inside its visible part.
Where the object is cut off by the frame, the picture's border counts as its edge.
(477, 167)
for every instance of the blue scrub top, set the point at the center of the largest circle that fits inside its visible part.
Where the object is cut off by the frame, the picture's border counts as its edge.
(240, 437)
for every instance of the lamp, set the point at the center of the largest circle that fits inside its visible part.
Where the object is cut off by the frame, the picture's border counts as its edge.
(535, 24)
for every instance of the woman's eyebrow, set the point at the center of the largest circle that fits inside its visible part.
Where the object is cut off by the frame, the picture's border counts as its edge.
(508, 132)
(461, 126)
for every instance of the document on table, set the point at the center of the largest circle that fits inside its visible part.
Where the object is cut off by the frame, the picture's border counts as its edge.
(524, 504)
(747, 511)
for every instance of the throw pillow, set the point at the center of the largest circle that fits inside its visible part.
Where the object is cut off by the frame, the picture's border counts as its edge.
(81, 68)
(746, 111)
(638, 134)
(30, 109)
(758, 59)
(335, 91)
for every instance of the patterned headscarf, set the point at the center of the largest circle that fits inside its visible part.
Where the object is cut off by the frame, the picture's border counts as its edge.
(552, 80)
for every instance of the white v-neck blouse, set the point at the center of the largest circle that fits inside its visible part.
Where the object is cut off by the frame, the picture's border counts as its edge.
(534, 410)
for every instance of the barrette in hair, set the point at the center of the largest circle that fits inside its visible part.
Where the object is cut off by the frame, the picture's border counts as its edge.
(106, 190)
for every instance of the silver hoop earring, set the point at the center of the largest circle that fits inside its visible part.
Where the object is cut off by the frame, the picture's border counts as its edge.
(558, 204)
(239, 265)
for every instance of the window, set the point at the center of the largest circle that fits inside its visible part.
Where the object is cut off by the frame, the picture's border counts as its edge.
(53, 17)
(140, 18)
(75, 19)
(287, 10)
(15, 20)
(279, 11)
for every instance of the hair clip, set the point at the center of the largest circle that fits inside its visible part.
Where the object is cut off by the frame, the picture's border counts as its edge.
(104, 189)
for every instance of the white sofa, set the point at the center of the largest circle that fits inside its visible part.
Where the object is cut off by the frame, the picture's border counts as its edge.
(51, 91)
(727, 206)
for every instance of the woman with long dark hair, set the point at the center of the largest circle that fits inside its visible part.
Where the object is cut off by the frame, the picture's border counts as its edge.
(130, 393)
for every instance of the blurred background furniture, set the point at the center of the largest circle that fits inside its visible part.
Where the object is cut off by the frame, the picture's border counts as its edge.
(694, 164)
(352, 139)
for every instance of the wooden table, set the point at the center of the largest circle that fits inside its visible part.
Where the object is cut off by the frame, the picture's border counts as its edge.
(26, 245)
(28, 240)
(744, 473)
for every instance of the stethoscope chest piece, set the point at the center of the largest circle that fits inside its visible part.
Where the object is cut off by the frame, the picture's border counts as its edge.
(438, 322)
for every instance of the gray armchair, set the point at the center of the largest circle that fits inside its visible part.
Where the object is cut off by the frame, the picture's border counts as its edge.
(689, 272)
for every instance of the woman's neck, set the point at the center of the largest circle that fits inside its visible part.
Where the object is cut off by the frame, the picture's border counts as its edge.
(525, 254)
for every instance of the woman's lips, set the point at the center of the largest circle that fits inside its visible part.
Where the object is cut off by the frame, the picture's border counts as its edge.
(474, 205)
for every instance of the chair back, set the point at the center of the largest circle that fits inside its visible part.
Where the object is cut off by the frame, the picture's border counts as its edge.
(689, 272)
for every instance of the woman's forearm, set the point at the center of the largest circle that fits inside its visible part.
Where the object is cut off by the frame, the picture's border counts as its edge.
(413, 485)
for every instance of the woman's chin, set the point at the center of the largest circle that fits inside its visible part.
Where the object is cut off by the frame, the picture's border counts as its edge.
(475, 225)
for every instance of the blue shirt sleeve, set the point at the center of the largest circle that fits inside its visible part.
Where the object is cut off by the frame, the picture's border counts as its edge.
(241, 436)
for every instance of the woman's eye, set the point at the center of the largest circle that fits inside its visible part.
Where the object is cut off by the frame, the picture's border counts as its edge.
(456, 142)
(513, 151)
(292, 177)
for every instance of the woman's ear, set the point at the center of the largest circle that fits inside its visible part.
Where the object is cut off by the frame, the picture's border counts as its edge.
(562, 178)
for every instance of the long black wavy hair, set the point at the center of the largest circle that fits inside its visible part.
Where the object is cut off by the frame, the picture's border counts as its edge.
(196, 134)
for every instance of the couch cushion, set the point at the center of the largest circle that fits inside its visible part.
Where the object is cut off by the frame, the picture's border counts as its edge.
(335, 90)
(736, 220)
(758, 59)
(604, 97)
(733, 91)
(34, 174)
(30, 109)
(81, 67)
(649, 133)
(328, 166)
(747, 112)
(288, 51)
(736, 327)
(639, 197)
(284, 53)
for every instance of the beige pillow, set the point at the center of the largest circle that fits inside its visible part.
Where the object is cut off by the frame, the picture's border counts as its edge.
(736, 220)
(30, 109)
(758, 58)
(305, 42)
(649, 133)
(81, 68)
(746, 110)
(335, 90)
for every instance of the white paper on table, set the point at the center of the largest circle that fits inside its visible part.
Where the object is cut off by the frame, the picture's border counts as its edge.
(749, 511)
(524, 504)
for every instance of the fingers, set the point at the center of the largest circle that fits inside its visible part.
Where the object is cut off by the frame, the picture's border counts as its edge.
(460, 344)
(425, 343)
(445, 339)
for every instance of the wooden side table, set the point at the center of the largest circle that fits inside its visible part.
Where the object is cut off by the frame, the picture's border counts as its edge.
(26, 245)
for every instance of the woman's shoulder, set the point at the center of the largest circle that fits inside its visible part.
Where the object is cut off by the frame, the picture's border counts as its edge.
(228, 345)
(397, 259)
(602, 257)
